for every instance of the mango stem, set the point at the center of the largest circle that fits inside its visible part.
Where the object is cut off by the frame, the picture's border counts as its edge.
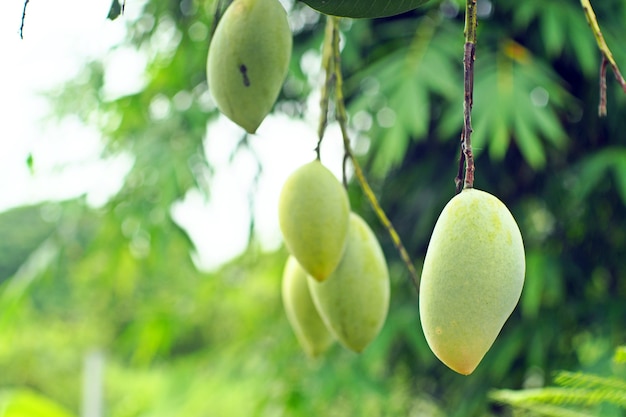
(466, 159)
(607, 56)
(342, 119)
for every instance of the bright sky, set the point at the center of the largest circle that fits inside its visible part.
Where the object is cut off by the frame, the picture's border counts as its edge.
(58, 38)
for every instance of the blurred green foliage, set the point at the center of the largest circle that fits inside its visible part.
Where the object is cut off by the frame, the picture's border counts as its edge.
(577, 394)
(178, 341)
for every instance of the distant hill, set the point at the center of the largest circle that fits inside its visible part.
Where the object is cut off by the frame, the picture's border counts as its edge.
(23, 229)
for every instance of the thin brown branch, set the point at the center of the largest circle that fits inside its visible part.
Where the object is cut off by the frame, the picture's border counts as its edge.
(342, 119)
(23, 19)
(602, 106)
(329, 74)
(469, 56)
(607, 55)
(458, 181)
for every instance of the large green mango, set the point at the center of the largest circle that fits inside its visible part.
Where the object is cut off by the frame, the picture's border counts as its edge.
(472, 278)
(248, 60)
(354, 300)
(364, 8)
(313, 213)
(302, 314)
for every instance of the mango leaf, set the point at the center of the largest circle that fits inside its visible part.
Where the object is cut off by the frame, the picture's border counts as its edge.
(116, 10)
(364, 8)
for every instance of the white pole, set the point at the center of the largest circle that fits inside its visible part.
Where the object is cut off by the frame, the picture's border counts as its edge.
(93, 373)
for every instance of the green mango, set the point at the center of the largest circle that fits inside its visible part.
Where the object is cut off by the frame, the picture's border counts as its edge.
(364, 8)
(248, 60)
(472, 278)
(313, 211)
(302, 314)
(354, 300)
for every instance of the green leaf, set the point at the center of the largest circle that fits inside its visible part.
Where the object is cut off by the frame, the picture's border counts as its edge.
(619, 172)
(593, 170)
(116, 10)
(552, 29)
(30, 163)
(24, 403)
(517, 98)
(620, 355)
(533, 284)
(364, 8)
(407, 81)
(528, 142)
(580, 379)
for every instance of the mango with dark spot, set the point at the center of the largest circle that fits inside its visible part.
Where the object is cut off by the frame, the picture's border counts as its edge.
(472, 278)
(248, 60)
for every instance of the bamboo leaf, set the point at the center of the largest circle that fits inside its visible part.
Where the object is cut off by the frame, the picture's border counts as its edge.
(552, 28)
(528, 142)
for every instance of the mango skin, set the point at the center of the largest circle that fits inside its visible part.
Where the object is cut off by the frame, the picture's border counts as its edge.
(354, 300)
(302, 314)
(313, 212)
(472, 278)
(248, 60)
(364, 8)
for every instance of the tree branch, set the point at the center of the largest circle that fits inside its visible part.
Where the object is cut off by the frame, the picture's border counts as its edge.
(469, 56)
(607, 56)
(342, 119)
(23, 19)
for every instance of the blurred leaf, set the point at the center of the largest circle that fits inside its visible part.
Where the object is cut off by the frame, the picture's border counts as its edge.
(30, 163)
(620, 355)
(407, 80)
(594, 169)
(562, 26)
(533, 285)
(24, 403)
(517, 99)
(538, 409)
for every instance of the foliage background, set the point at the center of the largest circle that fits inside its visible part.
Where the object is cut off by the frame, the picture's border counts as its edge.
(121, 279)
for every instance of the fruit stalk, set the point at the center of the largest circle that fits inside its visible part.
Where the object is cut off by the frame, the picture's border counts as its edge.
(218, 11)
(342, 118)
(469, 56)
(327, 65)
(607, 56)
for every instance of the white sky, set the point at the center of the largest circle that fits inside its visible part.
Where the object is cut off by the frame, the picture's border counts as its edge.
(58, 38)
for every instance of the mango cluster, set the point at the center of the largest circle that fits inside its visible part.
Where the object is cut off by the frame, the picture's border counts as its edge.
(248, 60)
(336, 280)
(337, 273)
